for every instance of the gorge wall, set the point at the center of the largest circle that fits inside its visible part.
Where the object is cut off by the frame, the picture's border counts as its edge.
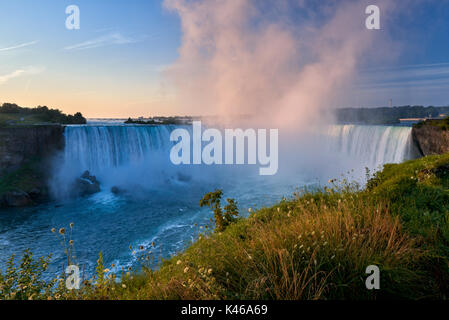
(20, 144)
(431, 139)
(25, 153)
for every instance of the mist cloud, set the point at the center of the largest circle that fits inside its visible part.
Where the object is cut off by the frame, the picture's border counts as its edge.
(281, 63)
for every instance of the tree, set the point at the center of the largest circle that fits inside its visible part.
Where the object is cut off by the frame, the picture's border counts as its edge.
(79, 119)
(231, 211)
(10, 108)
(213, 200)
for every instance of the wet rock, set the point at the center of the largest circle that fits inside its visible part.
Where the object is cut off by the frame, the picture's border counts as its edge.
(183, 178)
(16, 198)
(116, 190)
(86, 175)
(35, 193)
(86, 185)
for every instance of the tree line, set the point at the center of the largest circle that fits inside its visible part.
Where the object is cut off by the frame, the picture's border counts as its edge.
(386, 115)
(43, 113)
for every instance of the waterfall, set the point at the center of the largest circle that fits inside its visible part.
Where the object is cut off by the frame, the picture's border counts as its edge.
(102, 147)
(118, 155)
(126, 155)
(97, 148)
(372, 146)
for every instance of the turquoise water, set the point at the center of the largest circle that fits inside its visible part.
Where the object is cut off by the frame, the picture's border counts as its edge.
(161, 201)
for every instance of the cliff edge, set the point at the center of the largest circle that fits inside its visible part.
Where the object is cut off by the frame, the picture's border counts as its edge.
(19, 144)
(432, 137)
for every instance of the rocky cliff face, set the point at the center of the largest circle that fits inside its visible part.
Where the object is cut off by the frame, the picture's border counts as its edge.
(19, 144)
(431, 140)
(24, 155)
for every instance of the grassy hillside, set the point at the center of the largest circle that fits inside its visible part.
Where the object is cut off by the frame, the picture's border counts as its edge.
(314, 246)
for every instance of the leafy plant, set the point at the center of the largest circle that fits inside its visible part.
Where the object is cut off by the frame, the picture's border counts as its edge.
(213, 200)
(24, 281)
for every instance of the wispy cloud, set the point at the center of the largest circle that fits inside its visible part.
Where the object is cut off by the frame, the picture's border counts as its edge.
(106, 40)
(20, 72)
(22, 45)
(419, 84)
(424, 75)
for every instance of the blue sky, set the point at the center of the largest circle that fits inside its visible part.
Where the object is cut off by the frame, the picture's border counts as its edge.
(112, 66)
(419, 75)
(115, 56)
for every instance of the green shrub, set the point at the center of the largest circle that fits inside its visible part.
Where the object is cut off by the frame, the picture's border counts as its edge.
(25, 281)
(213, 200)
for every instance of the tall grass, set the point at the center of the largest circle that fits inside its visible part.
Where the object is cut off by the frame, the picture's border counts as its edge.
(299, 250)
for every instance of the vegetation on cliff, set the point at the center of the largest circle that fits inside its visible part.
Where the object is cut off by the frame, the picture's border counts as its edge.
(443, 124)
(316, 245)
(28, 137)
(24, 186)
(13, 114)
